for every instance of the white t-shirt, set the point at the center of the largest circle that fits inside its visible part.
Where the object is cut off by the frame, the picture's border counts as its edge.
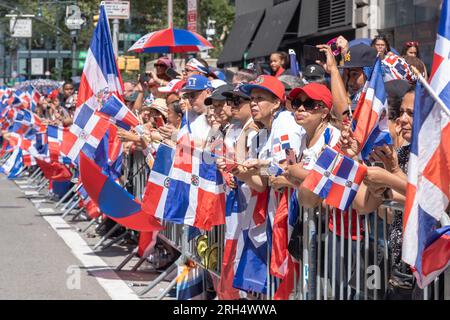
(234, 133)
(329, 136)
(285, 134)
(199, 126)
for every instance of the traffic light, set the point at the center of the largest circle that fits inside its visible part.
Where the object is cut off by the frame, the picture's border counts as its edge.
(95, 20)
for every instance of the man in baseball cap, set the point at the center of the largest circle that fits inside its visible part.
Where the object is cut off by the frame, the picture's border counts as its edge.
(196, 90)
(314, 73)
(222, 110)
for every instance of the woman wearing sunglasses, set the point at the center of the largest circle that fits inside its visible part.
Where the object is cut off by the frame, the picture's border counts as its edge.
(312, 105)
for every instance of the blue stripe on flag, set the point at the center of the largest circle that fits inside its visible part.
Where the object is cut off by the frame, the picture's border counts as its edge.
(175, 211)
(163, 159)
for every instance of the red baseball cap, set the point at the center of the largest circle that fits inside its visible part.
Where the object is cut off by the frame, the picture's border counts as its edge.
(268, 83)
(315, 91)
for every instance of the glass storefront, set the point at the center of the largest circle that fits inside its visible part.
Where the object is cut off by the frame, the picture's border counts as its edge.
(411, 20)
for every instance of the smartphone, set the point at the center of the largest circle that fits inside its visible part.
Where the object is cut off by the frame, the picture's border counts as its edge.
(172, 74)
(312, 54)
(159, 122)
(290, 156)
(143, 78)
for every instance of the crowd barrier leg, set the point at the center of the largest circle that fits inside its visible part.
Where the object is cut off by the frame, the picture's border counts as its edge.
(180, 261)
(78, 213)
(66, 195)
(366, 255)
(34, 174)
(116, 240)
(350, 252)
(333, 262)
(74, 204)
(312, 250)
(325, 263)
(106, 236)
(160, 278)
(319, 255)
(127, 259)
(358, 258)
(375, 253)
(36, 178)
(139, 263)
(386, 251)
(341, 258)
(43, 185)
(447, 284)
(91, 223)
(68, 203)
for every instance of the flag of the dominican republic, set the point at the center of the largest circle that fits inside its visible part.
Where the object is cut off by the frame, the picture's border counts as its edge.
(198, 187)
(14, 165)
(85, 134)
(240, 205)
(35, 97)
(119, 113)
(282, 264)
(370, 119)
(100, 73)
(55, 138)
(112, 199)
(426, 247)
(335, 178)
(155, 194)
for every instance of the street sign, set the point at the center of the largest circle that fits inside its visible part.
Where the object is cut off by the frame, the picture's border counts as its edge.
(20, 28)
(82, 54)
(129, 36)
(117, 9)
(37, 66)
(74, 21)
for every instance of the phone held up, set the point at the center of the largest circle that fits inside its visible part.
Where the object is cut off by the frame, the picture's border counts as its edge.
(311, 54)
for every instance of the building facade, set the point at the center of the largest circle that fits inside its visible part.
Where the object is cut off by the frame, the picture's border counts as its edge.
(265, 26)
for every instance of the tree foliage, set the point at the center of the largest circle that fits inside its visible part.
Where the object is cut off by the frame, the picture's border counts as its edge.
(146, 16)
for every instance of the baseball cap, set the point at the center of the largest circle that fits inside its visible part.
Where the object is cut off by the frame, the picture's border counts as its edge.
(197, 83)
(290, 82)
(215, 83)
(360, 56)
(217, 94)
(268, 83)
(173, 86)
(314, 71)
(314, 91)
(236, 91)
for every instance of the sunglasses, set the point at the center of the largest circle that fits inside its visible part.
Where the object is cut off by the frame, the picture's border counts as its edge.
(308, 104)
(191, 95)
(159, 65)
(235, 101)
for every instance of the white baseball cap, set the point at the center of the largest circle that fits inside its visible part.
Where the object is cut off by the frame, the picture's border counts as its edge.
(173, 86)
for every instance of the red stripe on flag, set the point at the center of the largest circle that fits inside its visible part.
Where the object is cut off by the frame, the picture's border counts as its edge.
(210, 210)
(437, 60)
(437, 170)
(366, 120)
(436, 256)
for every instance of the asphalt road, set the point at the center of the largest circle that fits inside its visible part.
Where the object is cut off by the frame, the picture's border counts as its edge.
(35, 263)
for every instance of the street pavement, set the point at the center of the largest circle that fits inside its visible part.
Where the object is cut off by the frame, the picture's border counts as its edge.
(44, 257)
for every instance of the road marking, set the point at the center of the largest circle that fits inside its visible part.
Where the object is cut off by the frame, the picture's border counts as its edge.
(115, 287)
(21, 181)
(31, 193)
(26, 186)
(46, 210)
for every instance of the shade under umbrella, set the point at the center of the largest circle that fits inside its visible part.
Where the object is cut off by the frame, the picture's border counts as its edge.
(171, 41)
